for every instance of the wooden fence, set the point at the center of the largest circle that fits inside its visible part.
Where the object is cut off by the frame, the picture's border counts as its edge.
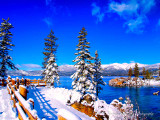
(25, 108)
(20, 102)
(26, 82)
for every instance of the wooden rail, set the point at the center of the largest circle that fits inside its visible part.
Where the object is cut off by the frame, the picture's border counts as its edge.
(23, 106)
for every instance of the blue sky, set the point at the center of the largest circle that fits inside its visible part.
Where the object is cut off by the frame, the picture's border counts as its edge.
(122, 31)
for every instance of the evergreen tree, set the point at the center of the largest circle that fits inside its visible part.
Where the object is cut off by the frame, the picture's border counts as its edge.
(130, 72)
(50, 47)
(144, 72)
(83, 77)
(5, 47)
(51, 71)
(136, 70)
(148, 75)
(98, 81)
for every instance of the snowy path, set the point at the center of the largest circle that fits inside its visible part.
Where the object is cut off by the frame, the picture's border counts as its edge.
(48, 108)
(6, 112)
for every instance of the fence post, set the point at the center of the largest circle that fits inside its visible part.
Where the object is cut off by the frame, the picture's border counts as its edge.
(22, 81)
(25, 82)
(13, 81)
(17, 82)
(23, 91)
(2, 82)
(45, 83)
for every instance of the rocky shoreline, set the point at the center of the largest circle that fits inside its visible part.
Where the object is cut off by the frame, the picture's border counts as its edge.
(133, 82)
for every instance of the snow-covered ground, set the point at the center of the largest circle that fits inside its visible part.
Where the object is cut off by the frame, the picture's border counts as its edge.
(146, 82)
(6, 112)
(49, 102)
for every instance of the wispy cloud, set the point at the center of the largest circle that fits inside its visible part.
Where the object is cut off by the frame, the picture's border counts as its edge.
(48, 2)
(134, 12)
(96, 11)
(29, 66)
(159, 22)
(48, 21)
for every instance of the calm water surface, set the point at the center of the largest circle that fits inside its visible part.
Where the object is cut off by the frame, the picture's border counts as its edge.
(142, 97)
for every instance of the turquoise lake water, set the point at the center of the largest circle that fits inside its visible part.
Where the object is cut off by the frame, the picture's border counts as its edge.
(142, 98)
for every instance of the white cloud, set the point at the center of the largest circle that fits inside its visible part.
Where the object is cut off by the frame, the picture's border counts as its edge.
(136, 25)
(96, 11)
(48, 21)
(29, 66)
(132, 61)
(128, 9)
(134, 12)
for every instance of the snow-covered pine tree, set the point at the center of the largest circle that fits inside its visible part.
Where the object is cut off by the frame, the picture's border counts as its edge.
(51, 71)
(50, 47)
(5, 47)
(83, 77)
(98, 81)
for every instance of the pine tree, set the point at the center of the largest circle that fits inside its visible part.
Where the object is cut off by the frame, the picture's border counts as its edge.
(98, 81)
(130, 72)
(83, 77)
(144, 72)
(136, 70)
(51, 71)
(148, 75)
(50, 47)
(5, 47)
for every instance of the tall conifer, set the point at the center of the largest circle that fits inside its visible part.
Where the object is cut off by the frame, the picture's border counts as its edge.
(51, 71)
(83, 77)
(98, 81)
(130, 72)
(148, 75)
(5, 47)
(144, 72)
(136, 70)
(50, 47)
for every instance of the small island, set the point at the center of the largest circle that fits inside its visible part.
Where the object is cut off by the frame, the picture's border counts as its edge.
(146, 79)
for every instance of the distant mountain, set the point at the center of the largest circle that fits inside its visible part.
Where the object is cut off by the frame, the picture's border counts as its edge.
(115, 69)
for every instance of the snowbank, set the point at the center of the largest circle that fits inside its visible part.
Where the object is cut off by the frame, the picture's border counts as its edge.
(66, 97)
(6, 111)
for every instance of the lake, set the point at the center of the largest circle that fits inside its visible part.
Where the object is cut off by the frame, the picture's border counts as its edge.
(142, 98)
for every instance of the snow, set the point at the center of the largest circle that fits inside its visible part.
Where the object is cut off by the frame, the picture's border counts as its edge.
(153, 82)
(48, 101)
(6, 112)
(146, 82)
(102, 107)
(21, 112)
(124, 66)
(58, 99)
